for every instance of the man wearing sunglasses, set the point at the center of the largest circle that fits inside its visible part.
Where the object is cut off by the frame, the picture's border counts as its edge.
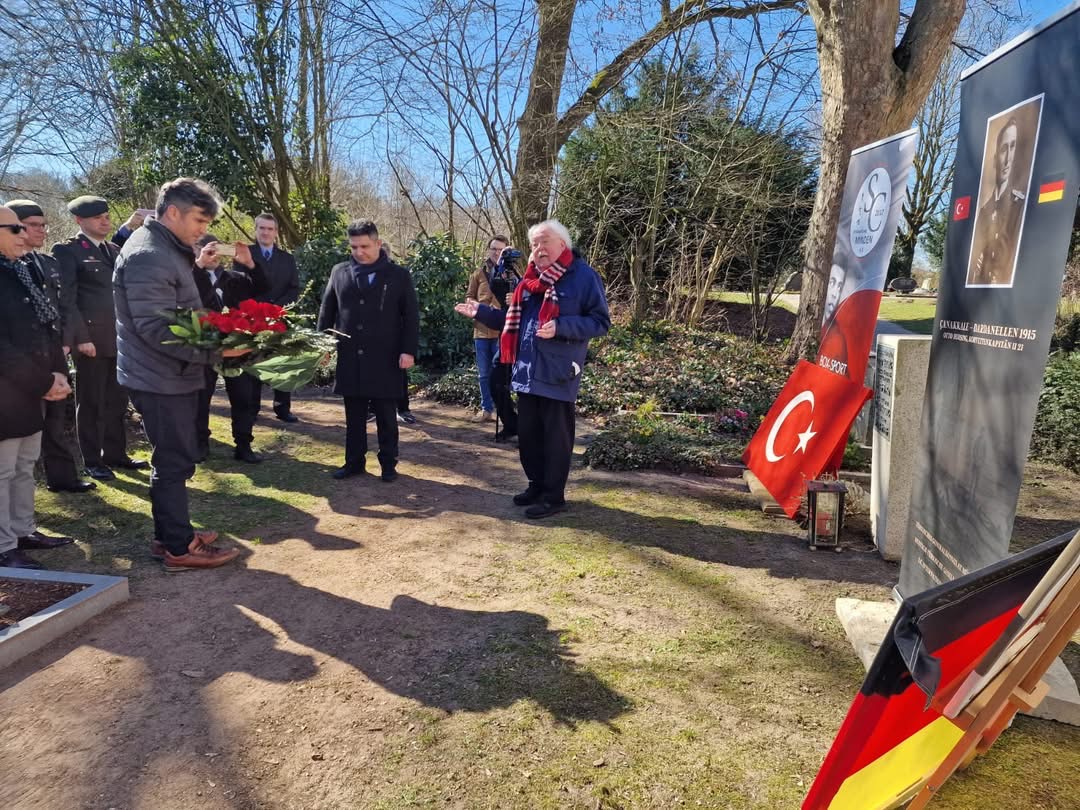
(86, 267)
(32, 368)
(57, 452)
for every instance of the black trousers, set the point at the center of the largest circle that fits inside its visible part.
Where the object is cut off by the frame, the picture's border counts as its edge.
(356, 411)
(546, 443)
(403, 403)
(504, 403)
(282, 402)
(202, 416)
(100, 405)
(244, 392)
(57, 446)
(167, 420)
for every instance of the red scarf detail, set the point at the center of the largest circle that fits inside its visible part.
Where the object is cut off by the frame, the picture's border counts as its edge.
(535, 282)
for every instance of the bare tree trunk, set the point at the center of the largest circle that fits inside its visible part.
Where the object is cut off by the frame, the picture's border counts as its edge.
(870, 89)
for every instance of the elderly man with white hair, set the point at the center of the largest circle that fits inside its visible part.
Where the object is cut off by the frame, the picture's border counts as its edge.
(555, 310)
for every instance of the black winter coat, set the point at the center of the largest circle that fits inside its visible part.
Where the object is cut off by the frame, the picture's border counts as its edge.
(235, 286)
(382, 322)
(282, 277)
(29, 354)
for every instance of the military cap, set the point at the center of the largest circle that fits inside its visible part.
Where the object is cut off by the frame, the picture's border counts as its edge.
(25, 208)
(88, 206)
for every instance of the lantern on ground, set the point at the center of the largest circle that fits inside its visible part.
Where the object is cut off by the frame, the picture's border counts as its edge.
(825, 506)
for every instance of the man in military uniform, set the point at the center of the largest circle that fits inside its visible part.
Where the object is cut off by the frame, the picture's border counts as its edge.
(279, 268)
(61, 464)
(86, 268)
(997, 229)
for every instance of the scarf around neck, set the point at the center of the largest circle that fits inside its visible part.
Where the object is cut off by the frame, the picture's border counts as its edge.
(534, 282)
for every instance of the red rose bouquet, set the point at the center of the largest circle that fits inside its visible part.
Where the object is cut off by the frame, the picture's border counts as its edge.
(281, 353)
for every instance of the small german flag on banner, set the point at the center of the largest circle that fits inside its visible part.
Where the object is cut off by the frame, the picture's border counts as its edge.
(1052, 188)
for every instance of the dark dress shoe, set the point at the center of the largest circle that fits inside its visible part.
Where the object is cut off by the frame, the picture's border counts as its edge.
(406, 418)
(16, 559)
(545, 509)
(129, 464)
(245, 453)
(38, 540)
(530, 495)
(100, 473)
(346, 472)
(389, 474)
(287, 417)
(77, 486)
(505, 436)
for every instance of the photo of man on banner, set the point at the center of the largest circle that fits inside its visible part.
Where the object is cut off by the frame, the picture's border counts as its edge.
(1008, 155)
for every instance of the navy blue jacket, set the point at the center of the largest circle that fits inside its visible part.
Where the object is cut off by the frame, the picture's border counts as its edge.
(552, 368)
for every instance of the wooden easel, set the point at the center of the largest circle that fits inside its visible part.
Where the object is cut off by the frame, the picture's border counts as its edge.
(1019, 686)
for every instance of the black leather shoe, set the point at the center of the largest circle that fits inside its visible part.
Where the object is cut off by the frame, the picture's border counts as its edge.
(505, 436)
(129, 464)
(389, 474)
(530, 495)
(100, 473)
(346, 472)
(545, 509)
(244, 452)
(287, 417)
(38, 540)
(77, 486)
(16, 559)
(406, 418)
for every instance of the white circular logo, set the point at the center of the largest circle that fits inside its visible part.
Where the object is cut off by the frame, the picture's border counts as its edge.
(871, 211)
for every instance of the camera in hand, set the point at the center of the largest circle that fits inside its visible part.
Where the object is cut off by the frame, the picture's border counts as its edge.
(505, 276)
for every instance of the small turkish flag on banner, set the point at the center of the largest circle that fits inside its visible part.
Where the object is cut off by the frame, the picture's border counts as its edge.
(806, 425)
(961, 208)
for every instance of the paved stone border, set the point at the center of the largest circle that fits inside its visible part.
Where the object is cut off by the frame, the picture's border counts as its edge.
(34, 632)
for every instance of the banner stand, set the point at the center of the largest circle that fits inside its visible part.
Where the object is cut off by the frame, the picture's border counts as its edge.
(1018, 687)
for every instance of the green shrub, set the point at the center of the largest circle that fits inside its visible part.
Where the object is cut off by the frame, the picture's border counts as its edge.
(1066, 337)
(641, 440)
(440, 271)
(1056, 436)
(456, 387)
(314, 261)
(683, 370)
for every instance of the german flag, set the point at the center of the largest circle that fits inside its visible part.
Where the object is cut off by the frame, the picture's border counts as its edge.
(1052, 188)
(894, 738)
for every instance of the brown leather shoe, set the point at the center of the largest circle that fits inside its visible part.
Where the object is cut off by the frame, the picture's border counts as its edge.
(38, 540)
(199, 555)
(157, 548)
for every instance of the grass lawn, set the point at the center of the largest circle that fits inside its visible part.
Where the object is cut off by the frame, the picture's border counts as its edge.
(662, 644)
(915, 314)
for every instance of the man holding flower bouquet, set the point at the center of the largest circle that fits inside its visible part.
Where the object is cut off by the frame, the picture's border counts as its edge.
(165, 378)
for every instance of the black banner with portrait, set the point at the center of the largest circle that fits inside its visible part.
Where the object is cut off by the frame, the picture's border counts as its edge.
(1013, 204)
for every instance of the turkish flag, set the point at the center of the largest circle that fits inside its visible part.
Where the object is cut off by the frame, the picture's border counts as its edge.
(807, 424)
(962, 208)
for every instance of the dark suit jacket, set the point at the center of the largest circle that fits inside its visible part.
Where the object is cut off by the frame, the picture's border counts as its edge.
(282, 278)
(88, 272)
(230, 288)
(382, 321)
(29, 354)
(46, 272)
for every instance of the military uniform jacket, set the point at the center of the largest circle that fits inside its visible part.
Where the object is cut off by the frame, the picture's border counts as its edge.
(382, 322)
(45, 271)
(997, 237)
(282, 277)
(87, 272)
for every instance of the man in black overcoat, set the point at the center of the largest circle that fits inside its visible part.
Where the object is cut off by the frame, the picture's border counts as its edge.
(283, 287)
(86, 268)
(57, 450)
(372, 302)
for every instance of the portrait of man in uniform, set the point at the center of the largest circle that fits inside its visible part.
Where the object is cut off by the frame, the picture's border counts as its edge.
(1008, 156)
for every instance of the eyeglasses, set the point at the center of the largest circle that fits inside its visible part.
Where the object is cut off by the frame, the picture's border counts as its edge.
(14, 228)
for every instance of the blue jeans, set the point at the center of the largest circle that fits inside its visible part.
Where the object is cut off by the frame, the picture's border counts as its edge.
(486, 349)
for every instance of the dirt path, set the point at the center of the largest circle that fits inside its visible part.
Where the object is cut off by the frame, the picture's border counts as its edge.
(421, 644)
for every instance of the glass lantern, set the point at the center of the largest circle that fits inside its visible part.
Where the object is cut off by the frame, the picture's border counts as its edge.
(825, 505)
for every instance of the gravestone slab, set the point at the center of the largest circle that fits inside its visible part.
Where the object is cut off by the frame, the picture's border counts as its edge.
(899, 384)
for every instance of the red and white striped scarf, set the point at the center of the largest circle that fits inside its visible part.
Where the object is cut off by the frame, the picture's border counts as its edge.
(535, 282)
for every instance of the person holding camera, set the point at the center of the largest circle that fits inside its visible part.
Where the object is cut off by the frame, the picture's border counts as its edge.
(556, 309)
(486, 339)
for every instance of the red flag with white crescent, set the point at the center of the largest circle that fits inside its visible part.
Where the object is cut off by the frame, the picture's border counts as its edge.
(808, 422)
